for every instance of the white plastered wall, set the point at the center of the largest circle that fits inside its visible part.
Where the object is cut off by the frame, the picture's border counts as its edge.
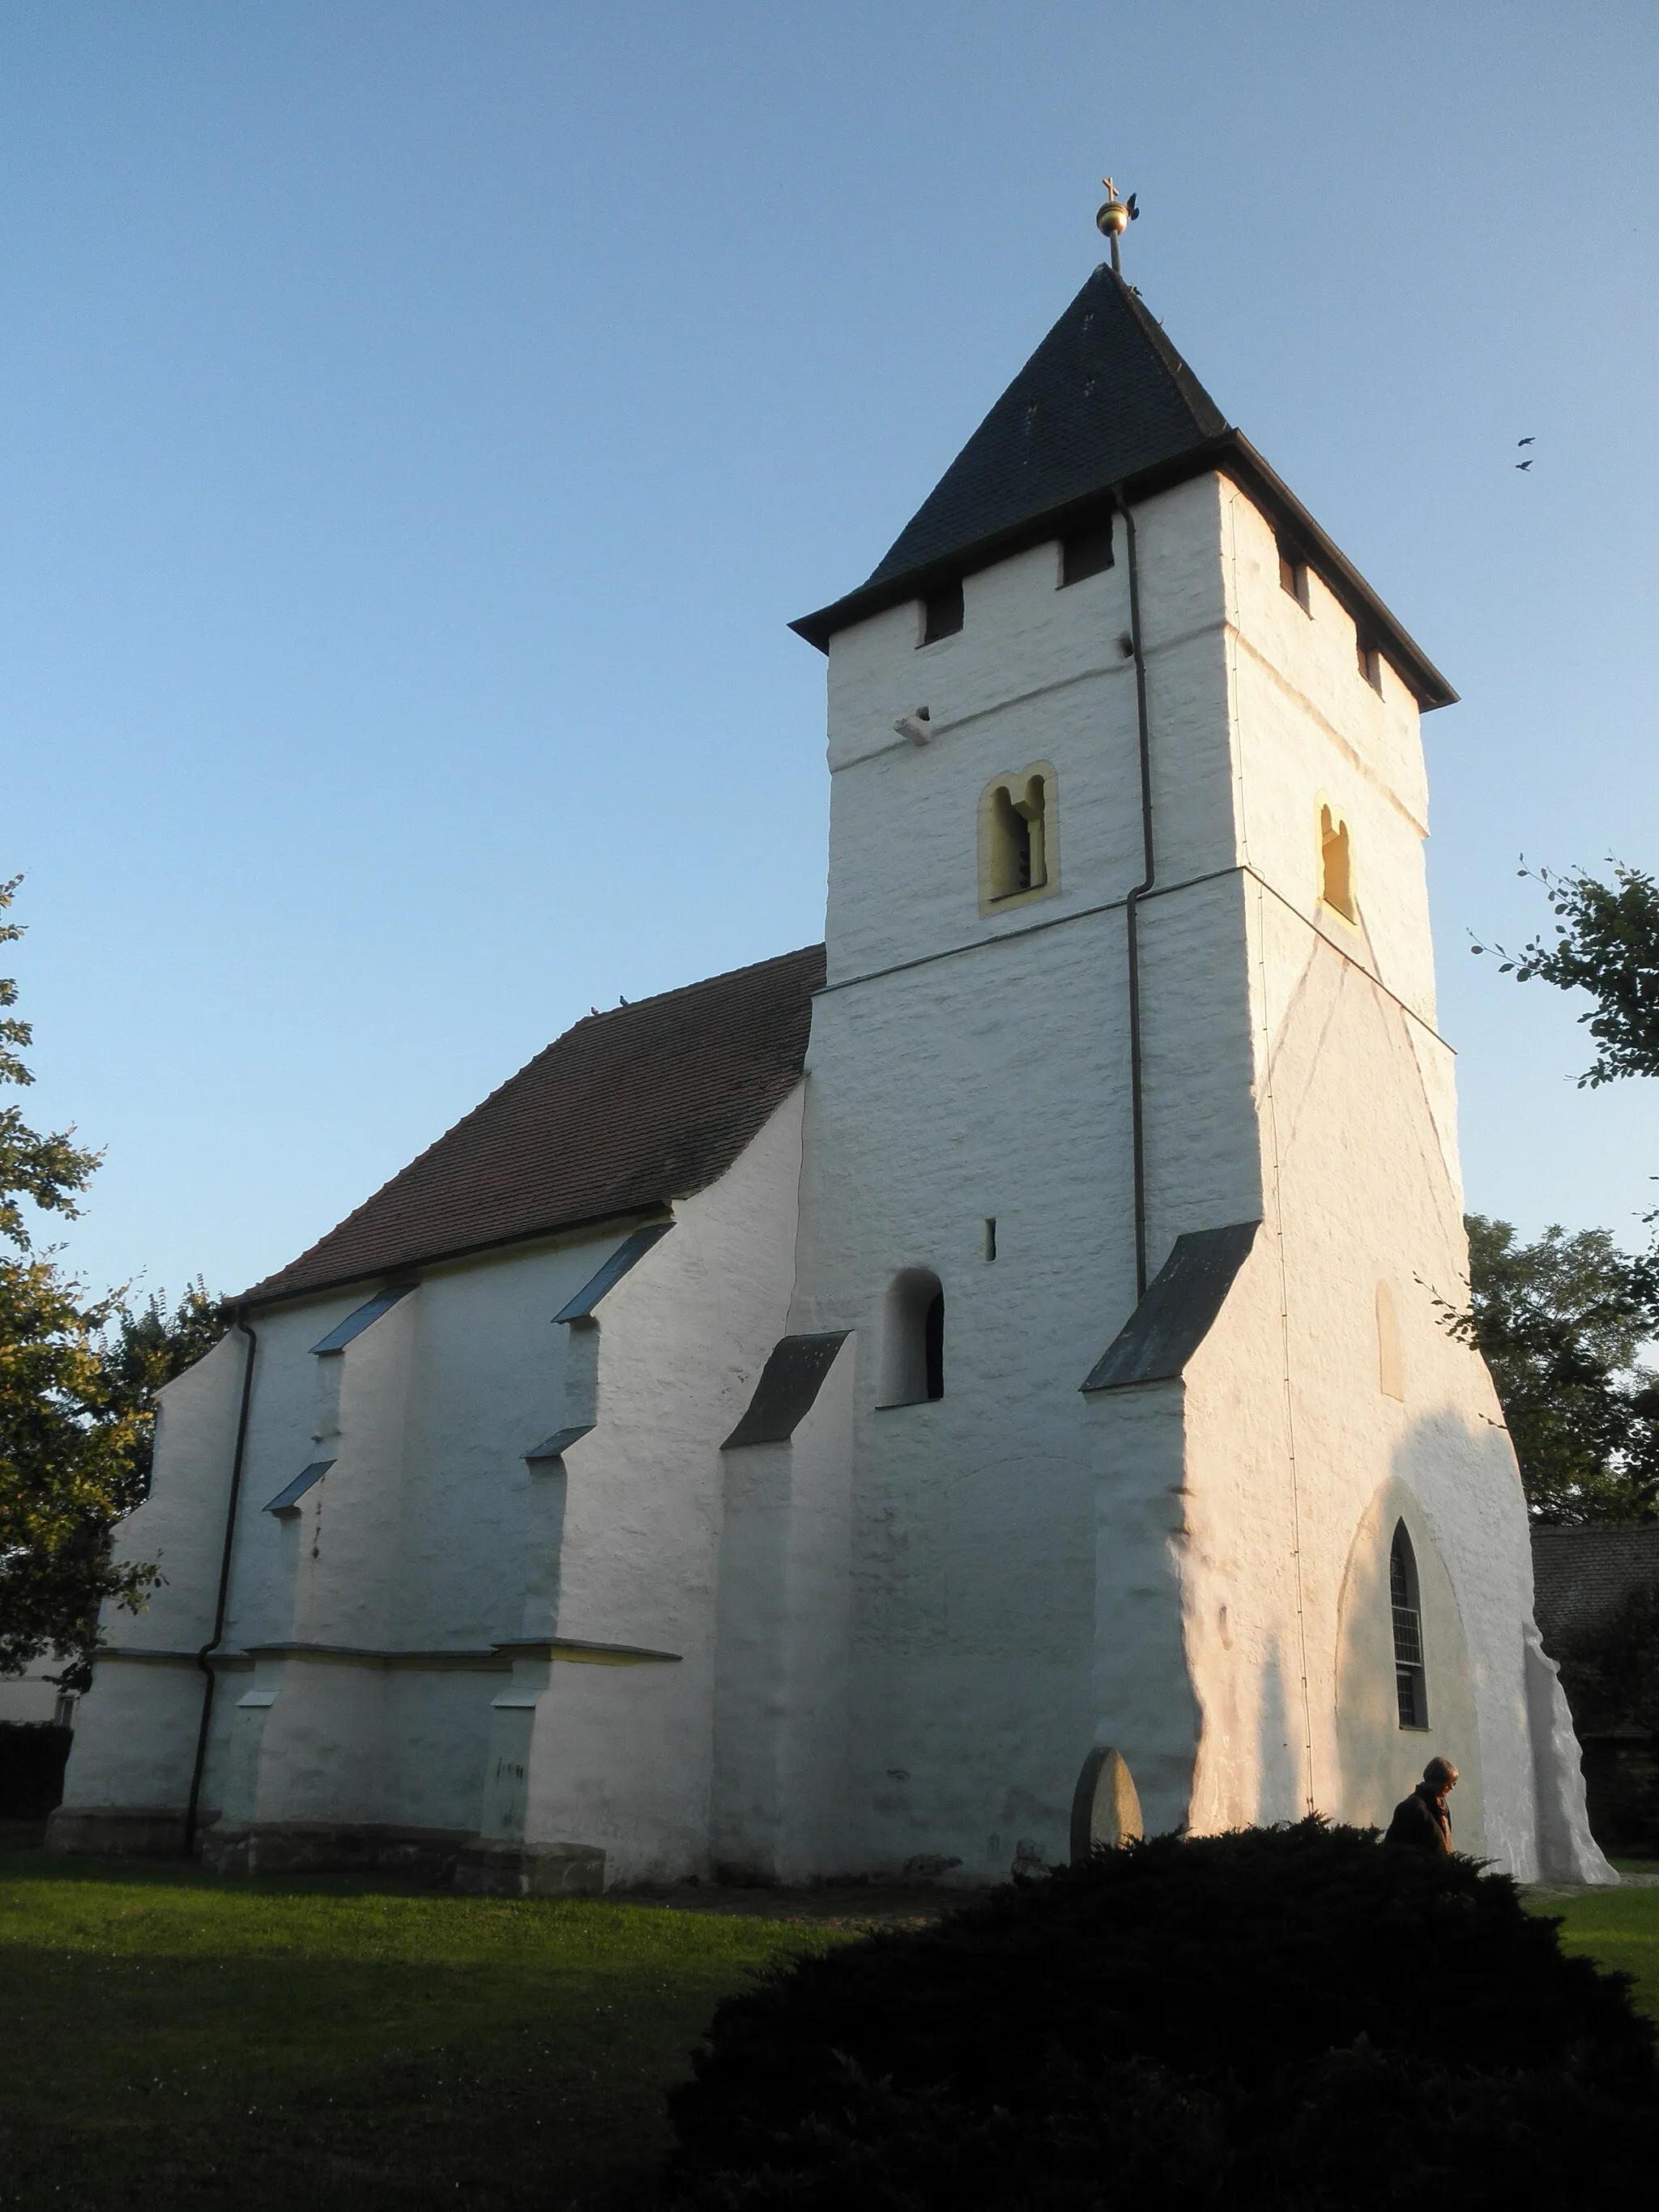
(620, 1757)
(990, 1053)
(1301, 1463)
(780, 1710)
(357, 1668)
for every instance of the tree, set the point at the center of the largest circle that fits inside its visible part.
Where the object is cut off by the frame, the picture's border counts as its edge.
(69, 1448)
(146, 1348)
(1561, 1324)
(1607, 943)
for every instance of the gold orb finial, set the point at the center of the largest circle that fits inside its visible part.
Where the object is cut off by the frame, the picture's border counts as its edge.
(1114, 218)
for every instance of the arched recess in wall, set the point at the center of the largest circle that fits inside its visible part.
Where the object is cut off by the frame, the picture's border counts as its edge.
(1335, 864)
(1018, 837)
(1381, 1761)
(1390, 1365)
(1105, 1805)
(913, 1338)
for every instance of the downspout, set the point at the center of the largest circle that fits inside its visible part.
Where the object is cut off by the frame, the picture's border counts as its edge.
(1137, 1101)
(204, 1656)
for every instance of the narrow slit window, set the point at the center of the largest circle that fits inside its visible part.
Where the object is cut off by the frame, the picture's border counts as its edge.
(1335, 865)
(1293, 578)
(1370, 662)
(941, 613)
(1085, 552)
(990, 1237)
(1411, 1682)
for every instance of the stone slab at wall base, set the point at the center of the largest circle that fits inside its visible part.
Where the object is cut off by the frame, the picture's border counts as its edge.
(333, 1847)
(139, 1832)
(522, 1870)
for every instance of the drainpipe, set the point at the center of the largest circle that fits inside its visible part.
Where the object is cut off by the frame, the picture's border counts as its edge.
(1137, 1102)
(204, 1656)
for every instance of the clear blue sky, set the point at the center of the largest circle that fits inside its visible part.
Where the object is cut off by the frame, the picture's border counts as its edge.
(418, 422)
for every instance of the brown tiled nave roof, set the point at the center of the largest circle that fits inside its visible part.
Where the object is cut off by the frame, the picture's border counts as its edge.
(623, 1112)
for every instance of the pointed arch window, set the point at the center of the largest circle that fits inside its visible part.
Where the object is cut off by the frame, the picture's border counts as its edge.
(1411, 1681)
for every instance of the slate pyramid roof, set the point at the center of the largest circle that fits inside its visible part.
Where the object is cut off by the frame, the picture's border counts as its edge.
(623, 1112)
(1105, 407)
(1105, 396)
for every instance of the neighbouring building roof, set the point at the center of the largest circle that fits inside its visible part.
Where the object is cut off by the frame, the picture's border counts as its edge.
(623, 1112)
(1580, 1576)
(1106, 403)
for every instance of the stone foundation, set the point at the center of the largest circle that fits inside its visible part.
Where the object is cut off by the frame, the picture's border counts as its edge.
(333, 1847)
(530, 1870)
(126, 1831)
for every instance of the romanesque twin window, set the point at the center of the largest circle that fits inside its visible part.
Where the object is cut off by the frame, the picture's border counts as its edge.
(1019, 856)
(1335, 865)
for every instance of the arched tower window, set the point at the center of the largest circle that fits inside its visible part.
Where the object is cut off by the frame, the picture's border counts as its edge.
(1016, 836)
(1335, 865)
(913, 1346)
(1410, 1684)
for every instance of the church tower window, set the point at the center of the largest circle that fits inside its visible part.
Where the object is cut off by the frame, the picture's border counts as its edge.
(1335, 865)
(1293, 578)
(1410, 1684)
(912, 1347)
(1016, 837)
(1369, 661)
(942, 613)
(1085, 552)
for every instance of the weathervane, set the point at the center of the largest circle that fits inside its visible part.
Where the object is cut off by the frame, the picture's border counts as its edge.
(1114, 219)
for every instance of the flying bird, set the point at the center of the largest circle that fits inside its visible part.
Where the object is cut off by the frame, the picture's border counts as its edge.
(1134, 212)
(1526, 464)
(1526, 441)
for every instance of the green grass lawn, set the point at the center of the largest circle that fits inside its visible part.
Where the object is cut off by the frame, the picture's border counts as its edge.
(177, 2041)
(185, 2043)
(1617, 1928)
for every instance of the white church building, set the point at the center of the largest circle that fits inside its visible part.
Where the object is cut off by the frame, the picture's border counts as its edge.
(941, 1398)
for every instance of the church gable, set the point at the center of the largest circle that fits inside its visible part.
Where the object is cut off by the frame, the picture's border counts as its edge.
(626, 1111)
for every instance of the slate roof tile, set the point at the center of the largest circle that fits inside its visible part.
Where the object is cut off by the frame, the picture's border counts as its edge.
(1581, 1576)
(625, 1111)
(1106, 401)
(1105, 396)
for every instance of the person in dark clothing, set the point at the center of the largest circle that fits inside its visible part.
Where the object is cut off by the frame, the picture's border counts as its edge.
(1421, 1820)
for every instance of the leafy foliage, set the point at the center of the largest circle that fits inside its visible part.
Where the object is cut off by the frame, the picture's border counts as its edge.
(1607, 943)
(74, 1402)
(1275, 2018)
(1561, 1324)
(145, 1348)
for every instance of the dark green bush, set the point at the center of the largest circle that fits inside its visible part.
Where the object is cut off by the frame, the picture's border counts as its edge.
(1288, 2016)
(33, 1757)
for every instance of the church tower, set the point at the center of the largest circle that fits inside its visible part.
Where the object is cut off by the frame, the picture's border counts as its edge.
(1130, 1190)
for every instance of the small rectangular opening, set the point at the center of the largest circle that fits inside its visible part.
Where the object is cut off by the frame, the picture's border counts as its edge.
(991, 1238)
(1293, 578)
(941, 613)
(1085, 552)
(1370, 662)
